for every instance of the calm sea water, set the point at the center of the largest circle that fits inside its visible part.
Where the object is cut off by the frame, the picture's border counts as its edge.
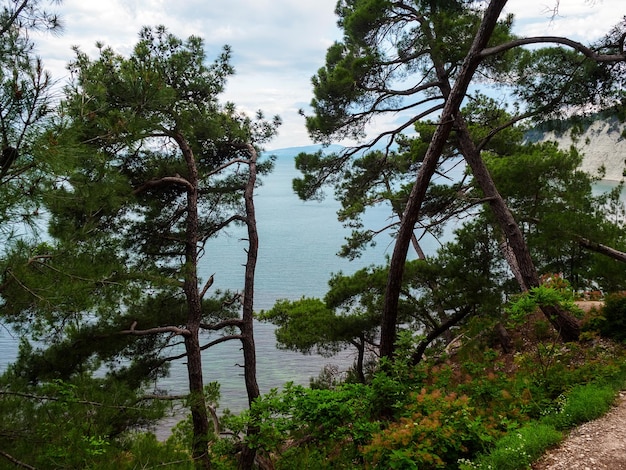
(297, 254)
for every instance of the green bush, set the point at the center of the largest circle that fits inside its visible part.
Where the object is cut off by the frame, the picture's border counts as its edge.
(614, 324)
(435, 432)
(518, 449)
(143, 450)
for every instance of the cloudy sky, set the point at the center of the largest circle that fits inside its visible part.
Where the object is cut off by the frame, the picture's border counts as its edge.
(278, 45)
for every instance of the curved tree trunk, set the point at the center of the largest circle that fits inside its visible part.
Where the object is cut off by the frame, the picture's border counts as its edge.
(427, 169)
(247, 328)
(522, 264)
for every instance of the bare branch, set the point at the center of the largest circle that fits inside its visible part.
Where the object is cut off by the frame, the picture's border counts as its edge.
(603, 249)
(167, 180)
(151, 331)
(586, 51)
(220, 226)
(42, 398)
(163, 397)
(222, 324)
(208, 284)
(435, 333)
(393, 132)
(227, 164)
(15, 461)
(223, 339)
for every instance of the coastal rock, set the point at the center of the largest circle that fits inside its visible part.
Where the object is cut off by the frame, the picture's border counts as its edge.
(602, 144)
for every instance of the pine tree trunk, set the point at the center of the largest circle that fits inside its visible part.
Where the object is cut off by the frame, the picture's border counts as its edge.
(197, 404)
(566, 325)
(427, 169)
(246, 461)
(199, 414)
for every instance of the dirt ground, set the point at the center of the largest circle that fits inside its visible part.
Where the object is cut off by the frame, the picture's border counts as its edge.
(596, 445)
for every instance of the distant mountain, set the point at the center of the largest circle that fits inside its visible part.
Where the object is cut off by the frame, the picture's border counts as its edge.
(293, 151)
(601, 140)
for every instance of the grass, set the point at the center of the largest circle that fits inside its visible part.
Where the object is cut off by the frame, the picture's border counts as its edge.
(520, 448)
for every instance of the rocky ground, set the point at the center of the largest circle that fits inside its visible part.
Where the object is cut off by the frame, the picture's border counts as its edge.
(596, 445)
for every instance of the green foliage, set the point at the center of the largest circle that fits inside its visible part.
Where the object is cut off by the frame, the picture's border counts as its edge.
(306, 324)
(433, 432)
(614, 317)
(479, 412)
(544, 188)
(517, 450)
(543, 295)
(76, 424)
(26, 105)
(144, 451)
(337, 422)
(555, 69)
(581, 404)
(153, 170)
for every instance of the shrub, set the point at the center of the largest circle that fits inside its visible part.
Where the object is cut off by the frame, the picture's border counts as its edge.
(435, 432)
(583, 403)
(614, 325)
(517, 450)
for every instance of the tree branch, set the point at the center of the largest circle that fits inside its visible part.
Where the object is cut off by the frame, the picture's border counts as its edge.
(227, 164)
(223, 339)
(208, 284)
(151, 331)
(9, 22)
(167, 180)
(586, 51)
(602, 249)
(394, 132)
(434, 334)
(15, 461)
(222, 324)
(33, 396)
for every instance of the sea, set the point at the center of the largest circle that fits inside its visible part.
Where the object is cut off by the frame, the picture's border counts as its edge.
(298, 246)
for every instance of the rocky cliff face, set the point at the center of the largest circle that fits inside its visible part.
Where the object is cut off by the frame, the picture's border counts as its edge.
(602, 144)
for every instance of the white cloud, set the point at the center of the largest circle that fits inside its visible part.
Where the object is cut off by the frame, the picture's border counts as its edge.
(582, 20)
(278, 45)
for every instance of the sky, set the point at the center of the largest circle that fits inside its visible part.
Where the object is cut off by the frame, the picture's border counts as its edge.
(277, 45)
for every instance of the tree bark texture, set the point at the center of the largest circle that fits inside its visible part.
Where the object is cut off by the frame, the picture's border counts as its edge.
(197, 404)
(603, 249)
(427, 169)
(246, 461)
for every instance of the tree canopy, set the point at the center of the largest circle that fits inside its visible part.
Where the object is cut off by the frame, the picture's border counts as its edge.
(158, 166)
(141, 164)
(417, 60)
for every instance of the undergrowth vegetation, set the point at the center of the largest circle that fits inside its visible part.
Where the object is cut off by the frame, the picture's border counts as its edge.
(475, 408)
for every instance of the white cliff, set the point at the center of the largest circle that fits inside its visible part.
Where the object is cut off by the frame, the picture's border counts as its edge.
(602, 144)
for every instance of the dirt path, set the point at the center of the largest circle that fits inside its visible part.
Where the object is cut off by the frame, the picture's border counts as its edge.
(596, 445)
